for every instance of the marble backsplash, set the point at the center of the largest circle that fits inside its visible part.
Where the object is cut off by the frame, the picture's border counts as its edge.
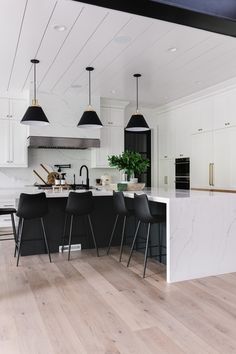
(18, 177)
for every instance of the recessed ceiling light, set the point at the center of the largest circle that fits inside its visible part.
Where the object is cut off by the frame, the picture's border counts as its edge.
(198, 82)
(75, 86)
(59, 28)
(172, 49)
(113, 92)
(122, 39)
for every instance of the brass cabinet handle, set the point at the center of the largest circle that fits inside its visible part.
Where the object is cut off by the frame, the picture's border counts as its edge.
(211, 174)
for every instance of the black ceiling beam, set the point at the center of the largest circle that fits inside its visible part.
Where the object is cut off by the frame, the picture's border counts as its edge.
(213, 18)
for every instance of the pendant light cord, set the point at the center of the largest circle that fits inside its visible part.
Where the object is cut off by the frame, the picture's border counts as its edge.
(137, 95)
(34, 82)
(89, 88)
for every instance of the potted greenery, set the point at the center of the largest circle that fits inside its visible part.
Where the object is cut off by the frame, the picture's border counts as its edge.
(131, 162)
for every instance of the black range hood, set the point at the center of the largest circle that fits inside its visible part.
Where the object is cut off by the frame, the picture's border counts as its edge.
(50, 142)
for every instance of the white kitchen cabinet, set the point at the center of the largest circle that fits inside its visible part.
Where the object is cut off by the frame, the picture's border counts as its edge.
(166, 170)
(224, 110)
(4, 107)
(112, 116)
(182, 139)
(112, 143)
(13, 144)
(111, 136)
(213, 159)
(18, 108)
(224, 158)
(201, 113)
(12, 108)
(201, 158)
(166, 129)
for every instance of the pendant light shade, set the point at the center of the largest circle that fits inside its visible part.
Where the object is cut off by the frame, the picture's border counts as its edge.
(90, 118)
(137, 122)
(34, 114)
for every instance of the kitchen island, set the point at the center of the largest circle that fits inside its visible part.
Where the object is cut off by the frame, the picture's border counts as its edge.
(200, 228)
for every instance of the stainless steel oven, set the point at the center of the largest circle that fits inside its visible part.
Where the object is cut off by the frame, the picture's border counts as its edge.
(182, 173)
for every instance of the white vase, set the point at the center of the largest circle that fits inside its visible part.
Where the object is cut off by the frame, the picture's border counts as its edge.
(124, 177)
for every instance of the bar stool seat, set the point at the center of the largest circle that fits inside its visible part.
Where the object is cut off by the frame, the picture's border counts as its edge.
(7, 211)
(143, 214)
(31, 206)
(79, 204)
(121, 210)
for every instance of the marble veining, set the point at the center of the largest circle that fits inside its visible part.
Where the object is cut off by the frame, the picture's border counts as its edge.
(200, 229)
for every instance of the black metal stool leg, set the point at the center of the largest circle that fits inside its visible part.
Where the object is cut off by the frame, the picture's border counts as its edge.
(17, 236)
(13, 227)
(112, 234)
(71, 225)
(45, 239)
(19, 241)
(92, 232)
(134, 240)
(160, 243)
(64, 235)
(122, 238)
(146, 251)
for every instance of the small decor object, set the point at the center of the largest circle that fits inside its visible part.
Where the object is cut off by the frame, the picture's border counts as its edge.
(89, 118)
(105, 180)
(121, 187)
(137, 122)
(131, 162)
(34, 114)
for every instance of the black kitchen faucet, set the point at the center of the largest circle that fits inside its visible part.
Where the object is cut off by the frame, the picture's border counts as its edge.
(87, 175)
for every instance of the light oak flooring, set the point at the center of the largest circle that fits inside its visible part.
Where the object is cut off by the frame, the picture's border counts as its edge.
(96, 305)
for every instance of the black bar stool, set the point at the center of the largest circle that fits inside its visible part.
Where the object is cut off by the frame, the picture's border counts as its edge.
(31, 206)
(79, 204)
(11, 212)
(143, 214)
(120, 209)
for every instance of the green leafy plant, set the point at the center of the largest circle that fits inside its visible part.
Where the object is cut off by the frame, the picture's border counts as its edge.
(130, 162)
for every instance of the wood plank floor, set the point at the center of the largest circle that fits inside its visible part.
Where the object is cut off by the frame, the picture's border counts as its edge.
(96, 305)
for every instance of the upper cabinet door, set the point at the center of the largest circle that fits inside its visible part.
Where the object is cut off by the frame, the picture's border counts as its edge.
(202, 115)
(13, 144)
(4, 142)
(225, 110)
(18, 144)
(166, 129)
(4, 108)
(17, 108)
(112, 116)
(182, 122)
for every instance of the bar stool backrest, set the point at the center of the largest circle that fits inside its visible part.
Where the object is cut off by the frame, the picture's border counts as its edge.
(32, 206)
(80, 203)
(119, 203)
(142, 209)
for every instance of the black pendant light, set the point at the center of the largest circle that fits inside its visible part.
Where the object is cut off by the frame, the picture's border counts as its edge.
(137, 122)
(90, 118)
(34, 114)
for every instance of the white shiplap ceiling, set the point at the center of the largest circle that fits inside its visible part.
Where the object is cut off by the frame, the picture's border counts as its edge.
(117, 44)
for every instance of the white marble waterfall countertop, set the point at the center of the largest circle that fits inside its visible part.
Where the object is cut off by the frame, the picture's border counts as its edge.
(200, 228)
(154, 194)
